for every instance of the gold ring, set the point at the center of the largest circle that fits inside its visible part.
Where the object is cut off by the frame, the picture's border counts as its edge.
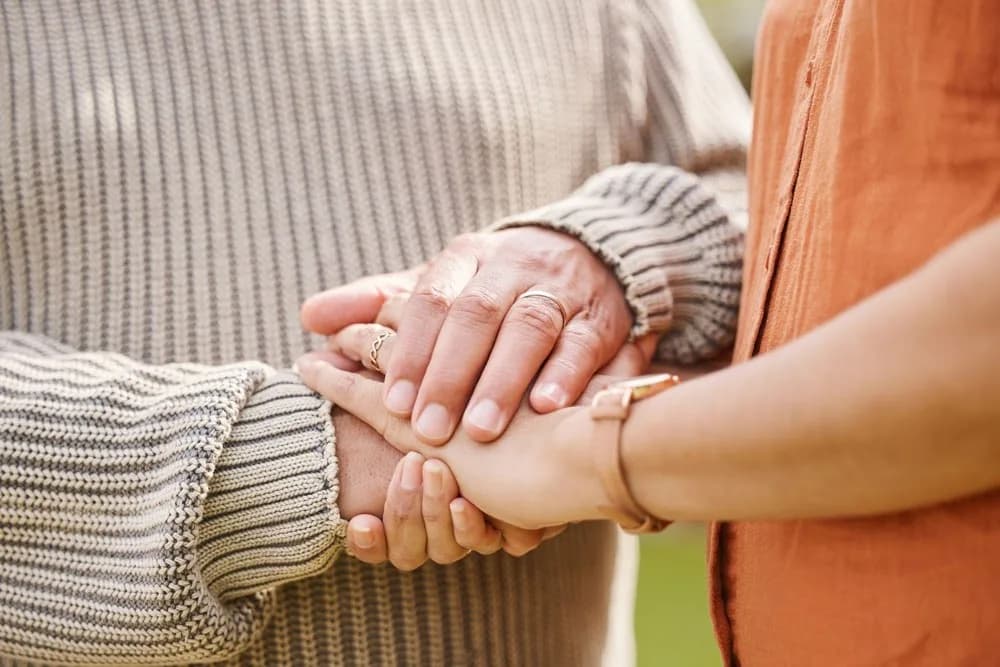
(377, 344)
(540, 293)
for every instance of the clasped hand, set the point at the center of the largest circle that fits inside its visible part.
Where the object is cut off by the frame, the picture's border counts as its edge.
(467, 344)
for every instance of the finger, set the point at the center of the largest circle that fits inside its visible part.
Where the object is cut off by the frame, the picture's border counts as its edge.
(633, 358)
(359, 395)
(404, 524)
(472, 530)
(366, 539)
(440, 488)
(423, 316)
(519, 541)
(529, 333)
(585, 345)
(392, 310)
(369, 344)
(461, 351)
(337, 359)
(553, 531)
(359, 301)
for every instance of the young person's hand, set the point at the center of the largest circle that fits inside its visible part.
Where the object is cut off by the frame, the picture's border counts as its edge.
(399, 512)
(425, 519)
(479, 322)
(538, 474)
(406, 511)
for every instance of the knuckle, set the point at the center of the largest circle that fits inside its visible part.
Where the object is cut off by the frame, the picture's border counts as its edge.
(433, 514)
(477, 307)
(432, 298)
(539, 261)
(545, 251)
(401, 513)
(385, 425)
(347, 381)
(541, 319)
(601, 315)
(584, 343)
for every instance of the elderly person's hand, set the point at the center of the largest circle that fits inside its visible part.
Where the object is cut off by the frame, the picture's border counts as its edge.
(478, 323)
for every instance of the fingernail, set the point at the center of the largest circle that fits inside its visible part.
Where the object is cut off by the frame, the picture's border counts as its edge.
(551, 392)
(364, 538)
(305, 364)
(432, 479)
(486, 416)
(400, 397)
(412, 472)
(457, 508)
(434, 422)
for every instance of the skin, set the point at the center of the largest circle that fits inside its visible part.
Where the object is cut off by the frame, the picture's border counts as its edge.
(468, 347)
(416, 521)
(439, 307)
(406, 510)
(891, 406)
(425, 519)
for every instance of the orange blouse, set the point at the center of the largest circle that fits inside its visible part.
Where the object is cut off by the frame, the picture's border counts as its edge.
(876, 144)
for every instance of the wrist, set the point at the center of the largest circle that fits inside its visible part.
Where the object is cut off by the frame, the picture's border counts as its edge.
(575, 439)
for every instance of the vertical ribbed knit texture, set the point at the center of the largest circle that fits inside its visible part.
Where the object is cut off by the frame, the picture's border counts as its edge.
(176, 177)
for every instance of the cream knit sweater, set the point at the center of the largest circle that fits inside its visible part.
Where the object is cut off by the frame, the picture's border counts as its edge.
(175, 177)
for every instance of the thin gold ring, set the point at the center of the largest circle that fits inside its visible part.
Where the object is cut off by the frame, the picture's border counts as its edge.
(376, 347)
(540, 293)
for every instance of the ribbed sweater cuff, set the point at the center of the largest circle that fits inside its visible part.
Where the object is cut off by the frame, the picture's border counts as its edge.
(673, 247)
(271, 515)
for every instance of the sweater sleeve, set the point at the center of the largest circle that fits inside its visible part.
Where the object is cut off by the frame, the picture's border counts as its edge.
(671, 227)
(146, 512)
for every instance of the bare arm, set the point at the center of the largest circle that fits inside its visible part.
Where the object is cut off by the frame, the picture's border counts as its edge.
(893, 405)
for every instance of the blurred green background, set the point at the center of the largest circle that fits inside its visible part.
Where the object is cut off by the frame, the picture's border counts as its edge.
(672, 625)
(671, 616)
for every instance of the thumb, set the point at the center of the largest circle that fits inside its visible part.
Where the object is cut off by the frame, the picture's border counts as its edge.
(357, 302)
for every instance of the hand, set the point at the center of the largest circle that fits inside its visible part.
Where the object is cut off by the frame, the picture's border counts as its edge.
(425, 519)
(465, 333)
(376, 480)
(350, 349)
(408, 538)
(538, 474)
(365, 466)
(438, 526)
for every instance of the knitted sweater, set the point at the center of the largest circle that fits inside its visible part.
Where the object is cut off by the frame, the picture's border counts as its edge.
(176, 177)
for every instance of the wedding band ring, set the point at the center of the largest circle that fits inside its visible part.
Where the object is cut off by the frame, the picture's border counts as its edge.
(376, 347)
(542, 294)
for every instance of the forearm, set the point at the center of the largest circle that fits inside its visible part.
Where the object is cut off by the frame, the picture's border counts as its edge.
(892, 405)
(204, 487)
